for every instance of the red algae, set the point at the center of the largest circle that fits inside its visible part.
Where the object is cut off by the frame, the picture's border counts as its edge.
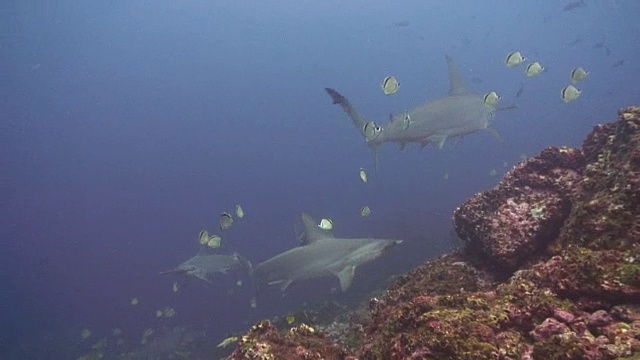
(550, 270)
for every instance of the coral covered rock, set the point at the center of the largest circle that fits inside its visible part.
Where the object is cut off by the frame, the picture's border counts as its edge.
(525, 211)
(265, 342)
(558, 276)
(606, 207)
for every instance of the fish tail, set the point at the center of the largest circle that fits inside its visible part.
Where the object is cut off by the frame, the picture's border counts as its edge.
(337, 98)
(246, 263)
(172, 271)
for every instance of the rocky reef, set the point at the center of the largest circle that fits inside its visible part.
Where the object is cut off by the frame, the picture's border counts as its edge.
(550, 269)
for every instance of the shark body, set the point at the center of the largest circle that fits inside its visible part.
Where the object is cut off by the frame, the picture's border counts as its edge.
(206, 265)
(455, 115)
(321, 254)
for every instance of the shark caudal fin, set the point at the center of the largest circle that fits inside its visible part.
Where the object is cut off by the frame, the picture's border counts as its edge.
(174, 271)
(358, 121)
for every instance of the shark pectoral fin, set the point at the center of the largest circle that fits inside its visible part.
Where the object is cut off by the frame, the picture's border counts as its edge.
(496, 135)
(402, 145)
(458, 140)
(510, 107)
(438, 140)
(346, 277)
(285, 285)
(202, 277)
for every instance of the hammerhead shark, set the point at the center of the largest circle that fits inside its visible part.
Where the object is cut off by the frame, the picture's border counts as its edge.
(207, 264)
(321, 254)
(455, 115)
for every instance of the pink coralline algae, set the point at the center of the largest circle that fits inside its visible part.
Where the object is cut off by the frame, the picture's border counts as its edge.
(525, 211)
(558, 275)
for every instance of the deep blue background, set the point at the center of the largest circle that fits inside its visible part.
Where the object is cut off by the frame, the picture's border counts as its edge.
(127, 127)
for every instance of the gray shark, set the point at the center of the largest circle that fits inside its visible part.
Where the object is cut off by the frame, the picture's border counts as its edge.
(458, 114)
(207, 264)
(321, 254)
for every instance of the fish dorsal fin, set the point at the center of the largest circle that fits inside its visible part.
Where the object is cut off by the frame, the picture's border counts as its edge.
(456, 87)
(312, 231)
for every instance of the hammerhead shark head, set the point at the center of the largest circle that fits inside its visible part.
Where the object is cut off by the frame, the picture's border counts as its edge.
(455, 115)
(321, 254)
(207, 264)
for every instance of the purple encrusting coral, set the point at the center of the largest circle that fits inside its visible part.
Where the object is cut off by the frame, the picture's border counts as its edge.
(550, 270)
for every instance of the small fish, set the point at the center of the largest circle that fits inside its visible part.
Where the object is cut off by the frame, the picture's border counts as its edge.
(514, 59)
(403, 23)
(135, 301)
(533, 69)
(326, 224)
(214, 241)
(158, 313)
(203, 237)
(365, 211)
(85, 334)
(390, 85)
(117, 332)
(578, 74)
(228, 341)
(371, 131)
(99, 346)
(239, 212)
(491, 98)
(617, 64)
(290, 319)
(175, 287)
(363, 175)
(168, 312)
(239, 283)
(574, 5)
(445, 175)
(493, 172)
(406, 120)
(570, 93)
(574, 42)
(226, 221)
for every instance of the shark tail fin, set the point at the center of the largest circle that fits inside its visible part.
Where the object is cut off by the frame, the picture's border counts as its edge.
(337, 98)
(173, 271)
(246, 263)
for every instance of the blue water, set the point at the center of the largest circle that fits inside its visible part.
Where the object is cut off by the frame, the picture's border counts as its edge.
(127, 127)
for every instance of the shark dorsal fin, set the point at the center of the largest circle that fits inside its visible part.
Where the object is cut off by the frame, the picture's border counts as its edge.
(456, 87)
(312, 231)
